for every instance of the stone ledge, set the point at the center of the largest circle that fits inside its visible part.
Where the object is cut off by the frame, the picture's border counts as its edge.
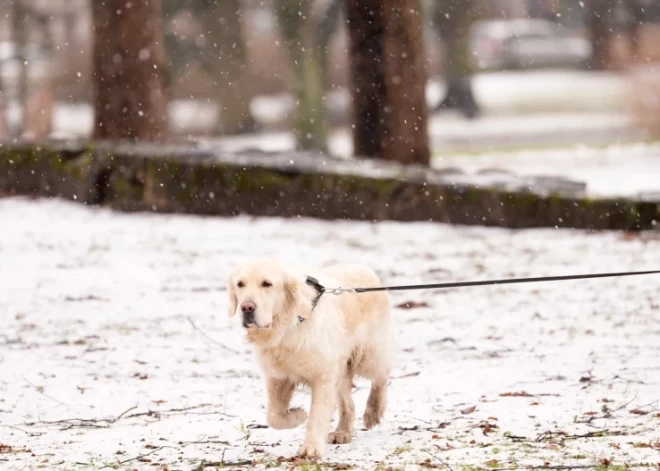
(186, 179)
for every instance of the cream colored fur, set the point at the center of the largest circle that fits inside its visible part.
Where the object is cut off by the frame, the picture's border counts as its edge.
(346, 335)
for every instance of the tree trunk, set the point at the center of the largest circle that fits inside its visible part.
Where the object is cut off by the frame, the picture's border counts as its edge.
(452, 20)
(309, 123)
(129, 70)
(597, 19)
(636, 18)
(5, 131)
(20, 38)
(221, 22)
(388, 80)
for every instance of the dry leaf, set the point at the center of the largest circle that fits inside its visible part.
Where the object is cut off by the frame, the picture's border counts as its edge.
(516, 394)
(638, 412)
(469, 410)
(412, 304)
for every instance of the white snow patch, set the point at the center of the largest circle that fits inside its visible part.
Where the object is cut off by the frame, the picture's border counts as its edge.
(98, 354)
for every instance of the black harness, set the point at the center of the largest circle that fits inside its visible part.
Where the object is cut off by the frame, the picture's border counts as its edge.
(320, 289)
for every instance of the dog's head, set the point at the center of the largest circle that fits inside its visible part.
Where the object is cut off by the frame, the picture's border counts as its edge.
(269, 298)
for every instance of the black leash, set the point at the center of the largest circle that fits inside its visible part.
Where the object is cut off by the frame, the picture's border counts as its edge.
(462, 284)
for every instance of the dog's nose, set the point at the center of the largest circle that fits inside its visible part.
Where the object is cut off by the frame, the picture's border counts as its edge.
(248, 307)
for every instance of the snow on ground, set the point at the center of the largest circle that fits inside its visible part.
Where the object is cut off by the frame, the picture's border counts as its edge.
(618, 170)
(116, 350)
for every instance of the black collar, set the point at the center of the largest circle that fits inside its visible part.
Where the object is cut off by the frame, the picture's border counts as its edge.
(320, 289)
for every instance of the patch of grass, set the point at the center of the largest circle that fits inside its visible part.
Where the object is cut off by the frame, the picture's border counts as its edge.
(402, 449)
(495, 450)
(310, 467)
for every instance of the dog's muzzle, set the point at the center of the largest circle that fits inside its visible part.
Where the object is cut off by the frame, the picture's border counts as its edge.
(248, 319)
(248, 309)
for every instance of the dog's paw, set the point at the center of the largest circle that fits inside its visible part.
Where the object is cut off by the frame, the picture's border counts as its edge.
(292, 419)
(339, 438)
(310, 450)
(371, 418)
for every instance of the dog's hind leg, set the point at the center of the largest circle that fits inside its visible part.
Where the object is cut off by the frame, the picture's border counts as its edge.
(377, 366)
(344, 430)
(376, 403)
(279, 416)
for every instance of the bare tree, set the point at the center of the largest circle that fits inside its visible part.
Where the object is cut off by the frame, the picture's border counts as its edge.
(297, 24)
(598, 14)
(226, 62)
(129, 70)
(388, 80)
(635, 16)
(20, 37)
(5, 131)
(452, 20)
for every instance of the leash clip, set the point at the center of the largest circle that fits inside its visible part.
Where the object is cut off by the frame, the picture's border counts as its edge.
(340, 290)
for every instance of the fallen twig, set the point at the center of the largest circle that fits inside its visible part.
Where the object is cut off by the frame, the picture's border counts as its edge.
(222, 463)
(566, 436)
(40, 390)
(417, 428)
(554, 467)
(158, 414)
(105, 423)
(205, 442)
(515, 438)
(203, 334)
(29, 434)
(407, 375)
(441, 461)
(138, 457)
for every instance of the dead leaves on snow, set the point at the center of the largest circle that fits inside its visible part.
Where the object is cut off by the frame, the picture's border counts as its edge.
(515, 394)
(412, 305)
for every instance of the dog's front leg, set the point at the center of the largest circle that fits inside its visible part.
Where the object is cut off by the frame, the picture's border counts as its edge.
(324, 392)
(279, 415)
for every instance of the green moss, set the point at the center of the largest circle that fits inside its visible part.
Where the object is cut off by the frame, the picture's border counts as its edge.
(474, 195)
(257, 179)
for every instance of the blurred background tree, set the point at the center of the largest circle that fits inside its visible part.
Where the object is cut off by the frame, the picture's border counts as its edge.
(597, 22)
(129, 70)
(222, 54)
(452, 20)
(388, 80)
(296, 72)
(307, 32)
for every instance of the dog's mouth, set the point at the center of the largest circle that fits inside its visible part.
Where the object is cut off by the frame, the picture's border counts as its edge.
(254, 325)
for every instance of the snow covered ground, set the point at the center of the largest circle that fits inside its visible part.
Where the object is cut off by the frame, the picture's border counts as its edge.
(628, 170)
(116, 350)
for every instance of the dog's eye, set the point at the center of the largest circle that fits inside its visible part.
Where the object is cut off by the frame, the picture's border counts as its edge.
(266, 284)
(240, 284)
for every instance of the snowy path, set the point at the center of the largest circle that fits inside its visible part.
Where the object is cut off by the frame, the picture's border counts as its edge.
(112, 325)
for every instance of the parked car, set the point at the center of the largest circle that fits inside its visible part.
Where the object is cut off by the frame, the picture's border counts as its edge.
(526, 43)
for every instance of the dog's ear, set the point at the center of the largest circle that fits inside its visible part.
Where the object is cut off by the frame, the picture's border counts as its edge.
(295, 301)
(233, 301)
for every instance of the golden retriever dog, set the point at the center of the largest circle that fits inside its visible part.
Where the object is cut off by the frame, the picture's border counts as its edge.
(323, 343)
